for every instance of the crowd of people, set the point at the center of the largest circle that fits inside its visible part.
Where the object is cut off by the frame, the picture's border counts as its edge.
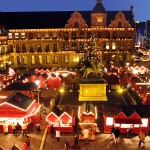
(55, 133)
(18, 128)
(21, 128)
(115, 133)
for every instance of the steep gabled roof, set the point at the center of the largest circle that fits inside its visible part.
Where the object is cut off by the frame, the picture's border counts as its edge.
(51, 19)
(20, 100)
(68, 110)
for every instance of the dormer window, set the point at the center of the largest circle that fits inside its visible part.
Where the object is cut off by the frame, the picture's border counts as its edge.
(54, 35)
(76, 24)
(46, 35)
(38, 35)
(16, 35)
(30, 35)
(119, 24)
(23, 35)
(10, 35)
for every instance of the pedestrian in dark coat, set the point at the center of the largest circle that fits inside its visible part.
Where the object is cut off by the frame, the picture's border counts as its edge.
(76, 139)
(117, 134)
(52, 130)
(67, 146)
(27, 141)
(18, 128)
(129, 133)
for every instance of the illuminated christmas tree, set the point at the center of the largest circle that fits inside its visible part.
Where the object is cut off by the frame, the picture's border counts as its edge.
(91, 57)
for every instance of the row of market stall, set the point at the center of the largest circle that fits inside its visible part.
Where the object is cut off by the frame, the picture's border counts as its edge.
(21, 108)
(51, 79)
(123, 117)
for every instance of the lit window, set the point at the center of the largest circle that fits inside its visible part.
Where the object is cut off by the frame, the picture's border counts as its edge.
(75, 59)
(47, 35)
(23, 35)
(48, 59)
(66, 59)
(107, 46)
(10, 35)
(126, 125)
(38, 35)
(109, 121)
(136, 125)
(40, 59)
(16, 35)
(117, 125)
(25, 60)
(113, 45)
(55, 60)
(18, 60)
(32, 60)
(12, 60)
(54, 35)
(144, 122)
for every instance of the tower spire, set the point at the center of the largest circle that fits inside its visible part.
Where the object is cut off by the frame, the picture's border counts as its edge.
(99, 1)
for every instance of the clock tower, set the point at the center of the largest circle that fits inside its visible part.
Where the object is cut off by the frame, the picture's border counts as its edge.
(99, 15)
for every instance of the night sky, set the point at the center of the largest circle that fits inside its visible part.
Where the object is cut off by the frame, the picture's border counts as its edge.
(141, 7)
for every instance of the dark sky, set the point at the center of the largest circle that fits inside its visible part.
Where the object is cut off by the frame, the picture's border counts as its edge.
(141, 7)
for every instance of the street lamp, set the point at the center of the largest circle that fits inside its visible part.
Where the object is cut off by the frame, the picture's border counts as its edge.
(37, 82)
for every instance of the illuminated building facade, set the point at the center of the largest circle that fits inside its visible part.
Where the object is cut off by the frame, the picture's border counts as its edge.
(147, 34)
(59, 38)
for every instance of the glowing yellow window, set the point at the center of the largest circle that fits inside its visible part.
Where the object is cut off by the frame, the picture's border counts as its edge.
(40, 59)
(33, 60)
(24, 60)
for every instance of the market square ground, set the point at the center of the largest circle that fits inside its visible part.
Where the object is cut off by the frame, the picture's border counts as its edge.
(102, 142)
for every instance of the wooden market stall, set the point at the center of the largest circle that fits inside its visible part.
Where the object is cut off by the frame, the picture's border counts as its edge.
(109, 114)
(61, 119)
(17, 108)
(87, 115)
(134, 117)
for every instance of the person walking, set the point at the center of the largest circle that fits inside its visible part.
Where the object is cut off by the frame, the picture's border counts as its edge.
(67, 146)
(57, 134)
(38, 129)
(128, 133)
(76, 139)
(112, 132)
(24, 128)
(86, 135)
(52, 131)
(117, 134)
(18, 128)
(141, 138)
(31, 126)
(27, 141)
(14, 128)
